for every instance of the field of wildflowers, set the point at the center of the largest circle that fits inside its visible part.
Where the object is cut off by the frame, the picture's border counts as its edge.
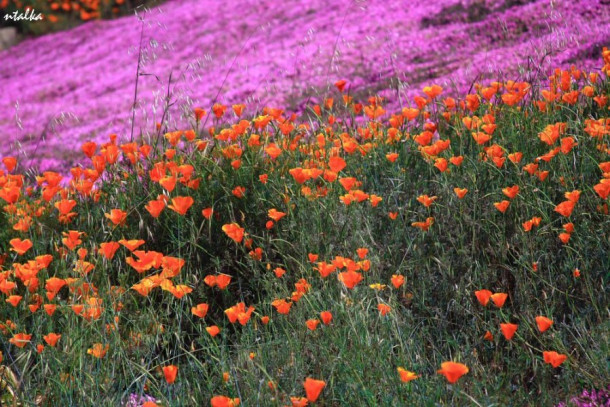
(445, 244)
(62, 89)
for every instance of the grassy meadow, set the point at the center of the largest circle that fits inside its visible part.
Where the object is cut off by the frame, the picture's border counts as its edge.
(453, 252)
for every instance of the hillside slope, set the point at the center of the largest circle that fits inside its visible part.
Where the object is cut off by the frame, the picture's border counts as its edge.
(62, 89)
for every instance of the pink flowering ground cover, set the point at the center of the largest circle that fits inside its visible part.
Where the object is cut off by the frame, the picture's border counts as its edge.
(60, 90)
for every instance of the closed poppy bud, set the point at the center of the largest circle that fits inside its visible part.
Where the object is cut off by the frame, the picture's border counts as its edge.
(576, 273)
(225, 377)
(265, 320)
(488, 336)
(170, 373)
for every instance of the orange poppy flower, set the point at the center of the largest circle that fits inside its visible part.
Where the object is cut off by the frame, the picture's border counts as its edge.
(20, 339)
(424, 225)
(213, 330)
(131, 245)
(200, 310)
(426, 200)
(515, 157)
(460, 192)
(14, 300)
(393, 215)
(326, 317)
(155, 207)
(222, 281)
(49, 308)
(170, 372)
(223, 401)
(483, 296)
(282, 306)
(313, 388)
(573, 196)
(10, 163)
(397, 280)
(336, 164)
(502, 206)
(51, 339)
(273, 151)
(405, 375)
(488, 336)
(207, 213)
(21, 246)
(511, 192)
(441, 164)
(564, 237)
(312, 324)
(239, 192)
(481, 138)
(565, 208)
(350, 278)
(384, 309)
(453, 371)
(275, 214)
(117, 216)
(239, 313)
(508, 330)
(234, 232)
(553, 358)
(181, 204)
(391, 157)
(108, 249)
(98, 350)
(543, 323)
(499, 299)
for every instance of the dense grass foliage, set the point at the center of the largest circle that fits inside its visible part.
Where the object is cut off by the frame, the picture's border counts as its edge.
(465, 237)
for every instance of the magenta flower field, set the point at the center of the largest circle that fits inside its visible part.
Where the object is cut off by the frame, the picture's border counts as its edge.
(323, 203)
(62, 89)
